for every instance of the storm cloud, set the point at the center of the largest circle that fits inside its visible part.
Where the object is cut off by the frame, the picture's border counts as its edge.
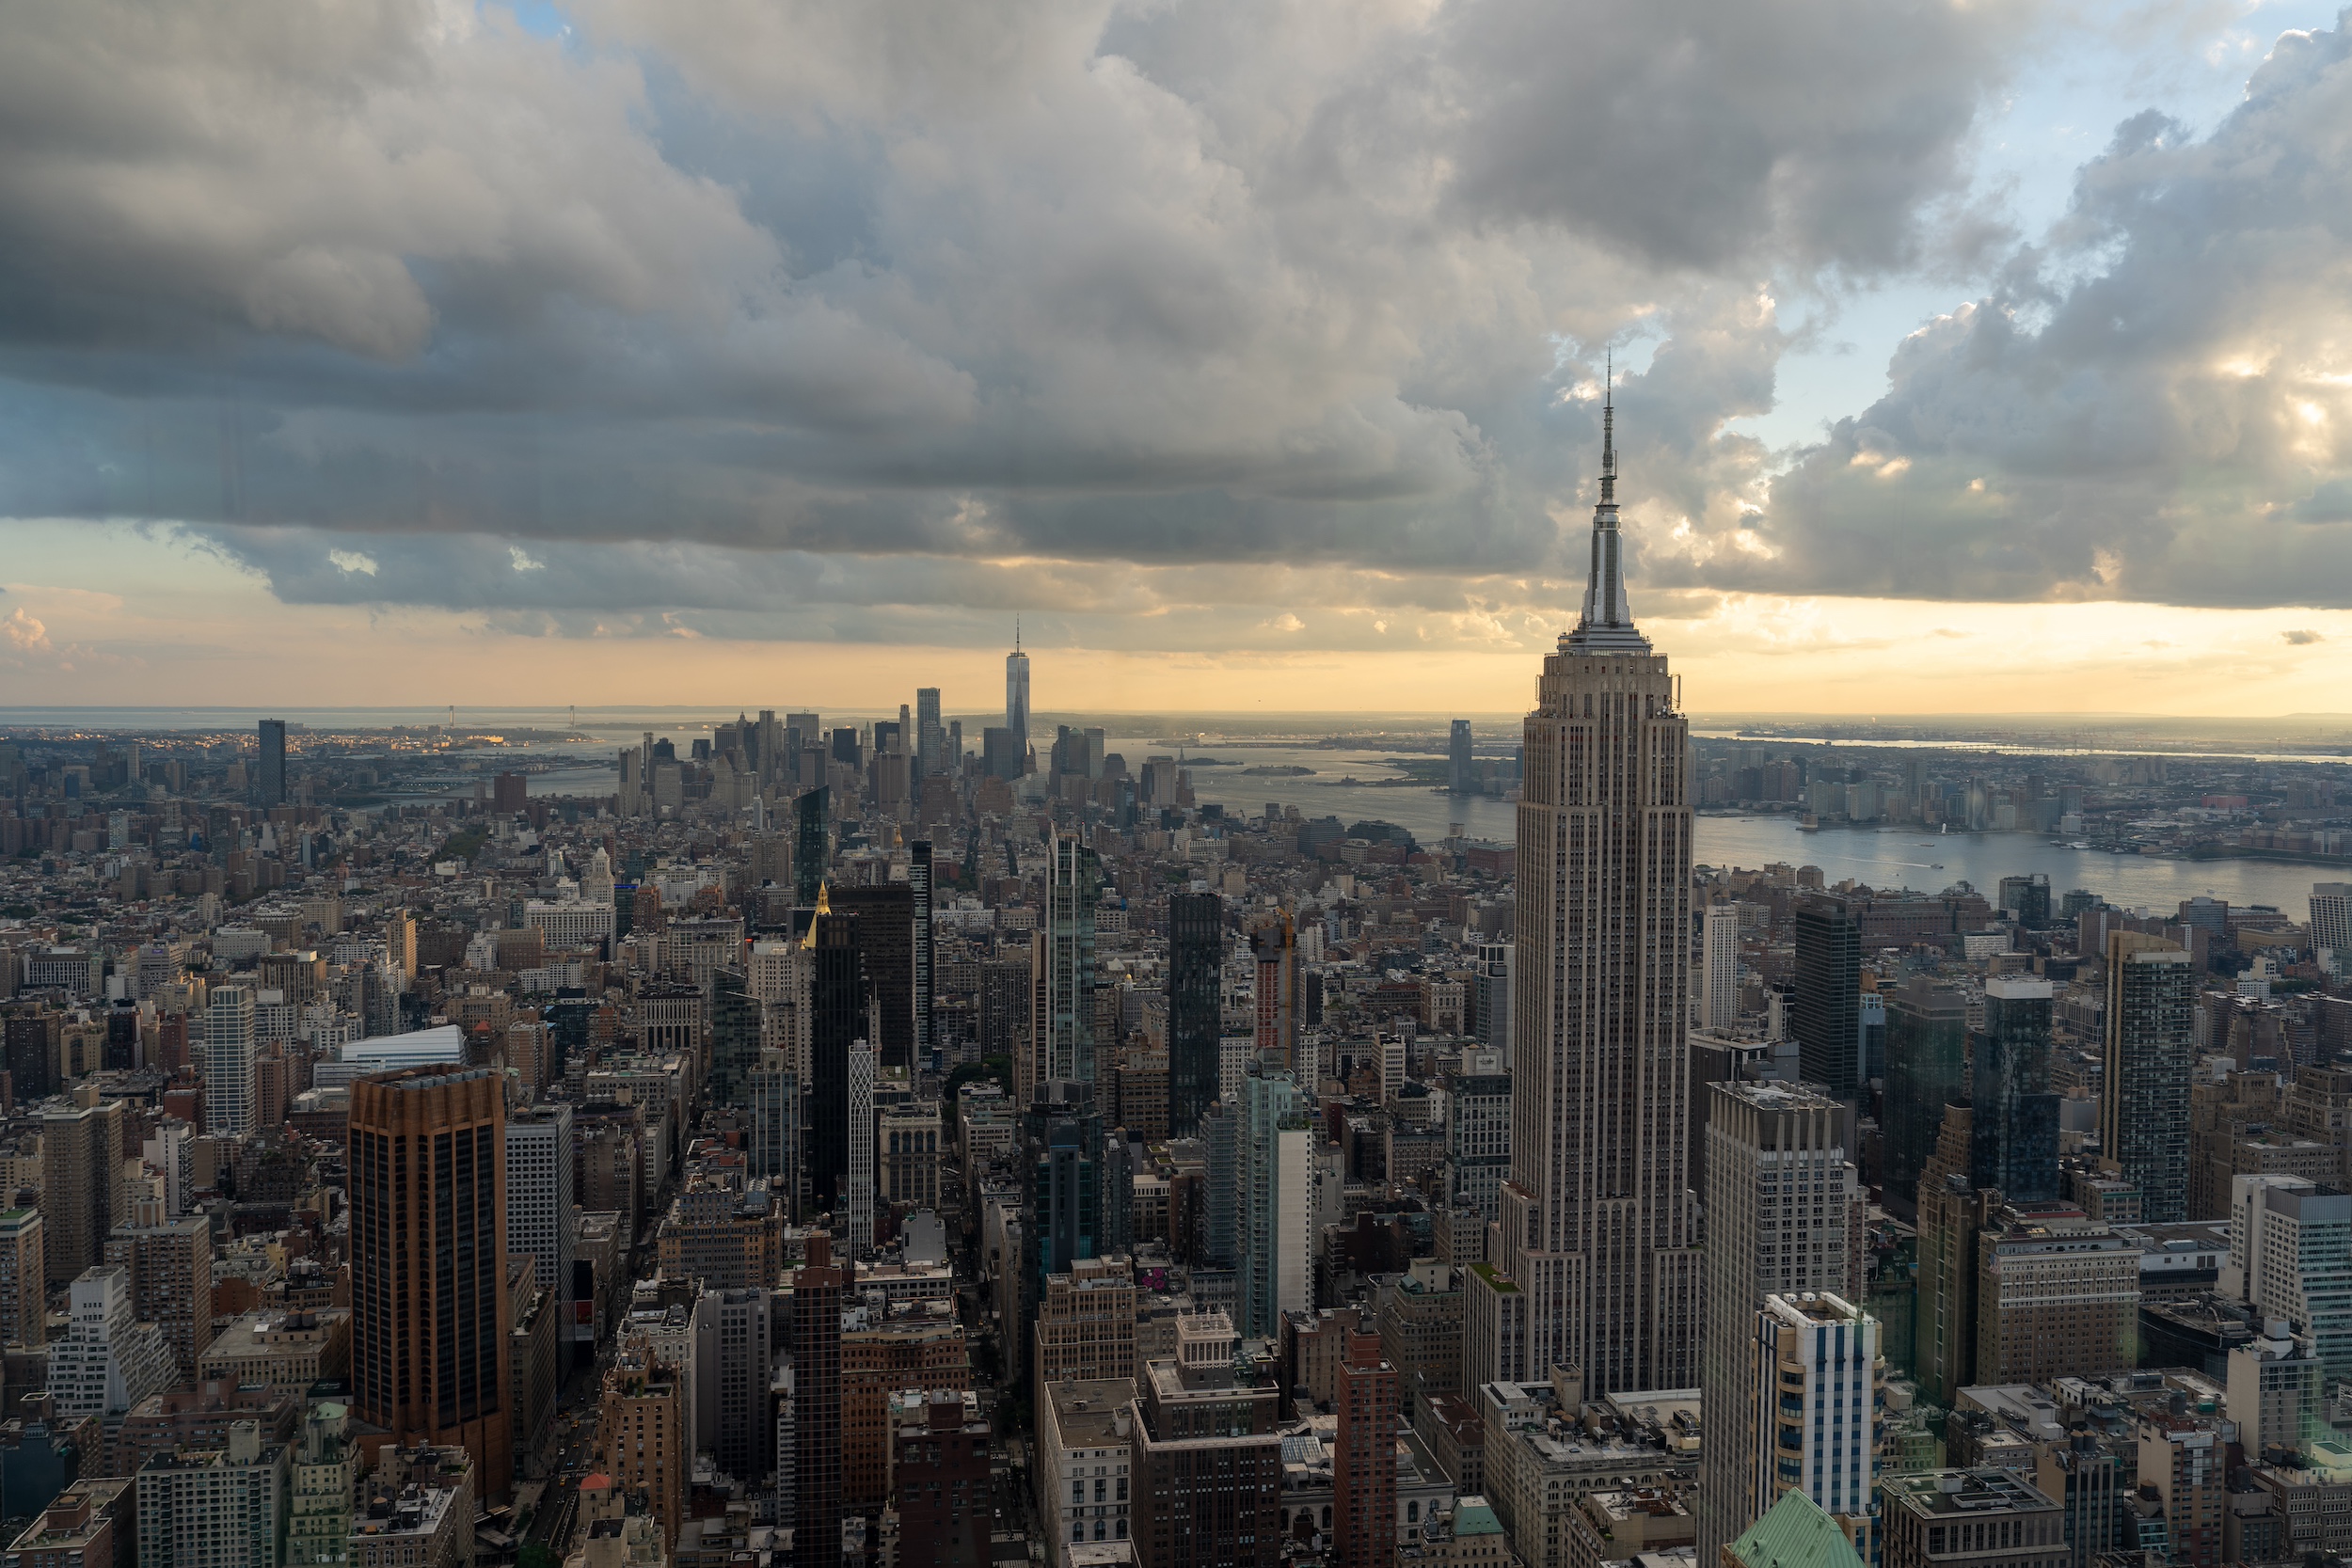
(766, 312)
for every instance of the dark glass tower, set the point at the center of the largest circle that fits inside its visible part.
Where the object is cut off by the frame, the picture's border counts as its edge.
(1927, 1057)
(2151, 1055)
(1195, 958)
(2012, 1138)
(837, 992)
(886, 939)
(270, 779)
(808, 849)
(734, 1035)
(1827, 1020)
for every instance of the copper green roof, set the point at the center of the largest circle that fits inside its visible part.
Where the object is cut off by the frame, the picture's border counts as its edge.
(1795, 1534)
(1471, 1516)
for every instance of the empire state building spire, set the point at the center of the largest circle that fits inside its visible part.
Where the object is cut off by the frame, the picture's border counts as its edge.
(1607, 624)
(1598, 1228)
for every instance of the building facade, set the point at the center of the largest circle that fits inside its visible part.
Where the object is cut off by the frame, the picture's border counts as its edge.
(1785, 1208)
(429, 1358)
(2150, 1048)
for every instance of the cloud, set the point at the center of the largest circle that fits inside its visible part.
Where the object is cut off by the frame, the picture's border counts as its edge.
(22, 634)
(1225, 282)
(883, 319)
(2157, 402)
(2302, 637)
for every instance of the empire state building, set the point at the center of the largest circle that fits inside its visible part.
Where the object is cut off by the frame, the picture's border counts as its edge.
(1597, 1217)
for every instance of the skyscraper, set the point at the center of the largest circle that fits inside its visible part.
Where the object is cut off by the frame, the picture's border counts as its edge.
(931, 741)
(919, 883)
(270, 775)
(1274, 1201)
(1783, 1217)
(2291, 1256)
(2013, 1125)
(1497, 969)
(809, 856)
(1927, 1057)
(1064, 1139)
(737, 1016)
(1827, 1420)
(774, 1150)
(1596, 1223)
(1460, 772)
(540, 1216)
(228, 1050)
(428, 1244)
(81, 1150)
(885, 942)
(1017, 695)
(837, 1020)
(858, 1186)
(2331, 927)
(2150, 1047)
(1953, 1216)
(1273, 943)
(1719, 967)
(1363, 1470)
(1196, 956)
(1826, 1018)
(1061, 1035)
(817, 1292)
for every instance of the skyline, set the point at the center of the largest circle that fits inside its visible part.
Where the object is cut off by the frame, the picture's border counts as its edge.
(1251, 356)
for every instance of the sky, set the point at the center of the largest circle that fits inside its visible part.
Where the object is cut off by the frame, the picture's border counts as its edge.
(1985, 356)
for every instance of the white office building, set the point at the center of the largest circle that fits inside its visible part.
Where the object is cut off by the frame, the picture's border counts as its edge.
(108, 1360)
(2291, 1257)
(541, 1219)
(229, 1044)
(444, 1045)
(1719, 968)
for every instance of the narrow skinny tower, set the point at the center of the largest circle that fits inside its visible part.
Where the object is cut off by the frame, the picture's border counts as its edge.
(1596, 1216)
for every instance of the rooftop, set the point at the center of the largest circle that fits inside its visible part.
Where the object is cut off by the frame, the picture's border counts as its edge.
(1987, 1489)
(1795, 1533)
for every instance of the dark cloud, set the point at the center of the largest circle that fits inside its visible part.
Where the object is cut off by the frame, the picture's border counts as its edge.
(859, 298)
(1698, 134)
(2303, 637)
